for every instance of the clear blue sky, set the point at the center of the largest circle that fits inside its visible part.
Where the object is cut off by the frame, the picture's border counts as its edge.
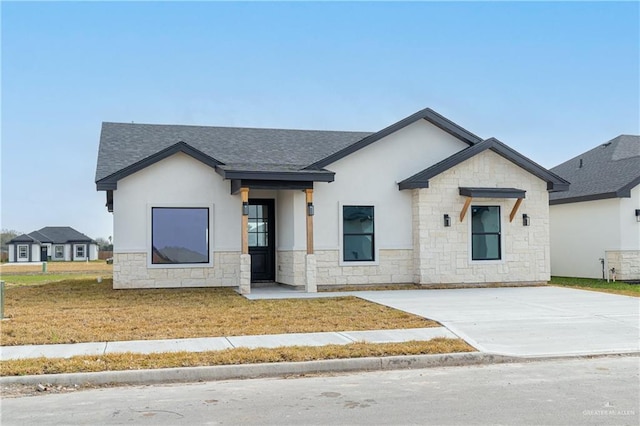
(551, 80)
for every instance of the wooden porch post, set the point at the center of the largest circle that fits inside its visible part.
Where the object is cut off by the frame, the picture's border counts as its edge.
(244, 194)
(309, 206)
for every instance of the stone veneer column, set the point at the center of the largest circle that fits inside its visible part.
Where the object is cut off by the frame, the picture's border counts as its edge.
(420, 236)
(310, 275)
(245, 274)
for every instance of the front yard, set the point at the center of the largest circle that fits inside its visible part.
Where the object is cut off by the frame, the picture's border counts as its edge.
(84, 310)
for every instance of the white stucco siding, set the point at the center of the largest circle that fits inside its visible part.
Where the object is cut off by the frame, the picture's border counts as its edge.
(443, 254)
(583, 233)
(370, 176)
(93, 251)
(580, 235)
(291, 225)
(35, 252)
(177, 180)
(629, 226)
(12, 252)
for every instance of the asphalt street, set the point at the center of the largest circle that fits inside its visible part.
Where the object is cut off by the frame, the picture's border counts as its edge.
(603, 391)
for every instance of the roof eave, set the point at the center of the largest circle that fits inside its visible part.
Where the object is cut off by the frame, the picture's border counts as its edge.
(582, 198)
(320, 176)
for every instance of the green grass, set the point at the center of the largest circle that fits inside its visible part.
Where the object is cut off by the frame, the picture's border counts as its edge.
(617, 287)
(29, 279)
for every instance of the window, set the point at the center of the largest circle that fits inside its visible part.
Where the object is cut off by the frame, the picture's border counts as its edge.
(485, 233)
(179, 235)
(58, 252)
(358, 233)
(23, 252)
(80, 251)
(258, 226)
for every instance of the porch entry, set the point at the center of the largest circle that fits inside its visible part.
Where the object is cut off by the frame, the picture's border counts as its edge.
(262, 236)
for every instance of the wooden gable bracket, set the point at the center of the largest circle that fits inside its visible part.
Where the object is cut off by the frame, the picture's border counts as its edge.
(465, 208)
(516, 206)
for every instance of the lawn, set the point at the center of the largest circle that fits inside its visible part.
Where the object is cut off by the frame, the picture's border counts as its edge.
(598, 285)
(74, 311)
(95, 266)
(130, 361)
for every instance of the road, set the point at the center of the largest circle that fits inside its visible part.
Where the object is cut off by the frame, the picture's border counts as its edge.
(579, 391)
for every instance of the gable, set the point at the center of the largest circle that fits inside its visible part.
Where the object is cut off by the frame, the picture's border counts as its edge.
(421, 179)
(426, 114)
(399, 154)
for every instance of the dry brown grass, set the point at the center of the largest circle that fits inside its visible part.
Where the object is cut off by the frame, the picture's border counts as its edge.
(128, 361)
(84, 311)
(96, 266)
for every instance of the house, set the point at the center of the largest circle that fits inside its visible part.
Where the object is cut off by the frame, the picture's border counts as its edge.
(595, 225)
(52, 243)
(422, 201)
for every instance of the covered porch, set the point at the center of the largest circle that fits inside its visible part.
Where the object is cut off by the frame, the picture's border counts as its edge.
(277, 244)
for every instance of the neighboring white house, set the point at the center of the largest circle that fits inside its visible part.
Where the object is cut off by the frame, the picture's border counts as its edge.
(422, 201)
(595, 226)
(52, 243)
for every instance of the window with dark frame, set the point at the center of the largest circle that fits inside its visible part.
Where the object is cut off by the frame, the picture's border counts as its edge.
(358, 235)
(485, 233)
(58, 252)
(179, 235)
(80, 251)
(23, 252)
(258, 228)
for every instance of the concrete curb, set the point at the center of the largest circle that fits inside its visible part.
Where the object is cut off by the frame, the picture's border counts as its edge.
(249, 371)
(280, 369)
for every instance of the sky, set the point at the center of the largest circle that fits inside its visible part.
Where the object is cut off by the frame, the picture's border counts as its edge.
(549, 79)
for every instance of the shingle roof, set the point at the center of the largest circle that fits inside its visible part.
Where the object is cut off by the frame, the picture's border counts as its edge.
(122, 145)
(59, 235)
(262, 153)
(24, 238)
(421, 179)
(609, 170)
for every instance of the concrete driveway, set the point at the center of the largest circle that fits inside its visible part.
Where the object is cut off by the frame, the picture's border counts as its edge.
(527, 321)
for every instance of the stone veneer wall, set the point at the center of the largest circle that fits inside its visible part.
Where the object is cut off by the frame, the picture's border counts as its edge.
(395, 267)
(130, 271)
(291, 267)
(626, 262)
(442, 255)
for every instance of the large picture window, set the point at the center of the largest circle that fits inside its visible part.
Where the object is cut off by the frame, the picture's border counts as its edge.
(358, 233)
(485, 233)
(179, 235)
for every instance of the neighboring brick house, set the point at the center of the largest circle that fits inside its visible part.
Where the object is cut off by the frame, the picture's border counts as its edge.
(595, 226)
(422, 201)
(52, 243)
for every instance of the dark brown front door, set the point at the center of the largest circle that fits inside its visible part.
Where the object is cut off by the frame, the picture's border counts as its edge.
(262, 239)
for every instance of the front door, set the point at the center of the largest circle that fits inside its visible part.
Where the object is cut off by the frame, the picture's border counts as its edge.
(262, 239)
(43, 253)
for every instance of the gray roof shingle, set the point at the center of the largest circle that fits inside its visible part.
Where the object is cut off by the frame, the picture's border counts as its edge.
(261, 153)
(54, 235)
(609, 170)
(123, 144)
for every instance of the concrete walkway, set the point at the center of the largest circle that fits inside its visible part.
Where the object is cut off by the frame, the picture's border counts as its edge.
(516, 321)
(219, 343)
